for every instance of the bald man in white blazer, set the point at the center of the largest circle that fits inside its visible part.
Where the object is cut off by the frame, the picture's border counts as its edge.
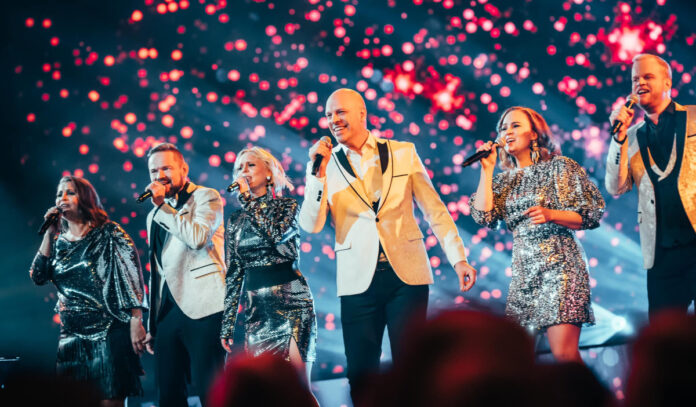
(368, 185)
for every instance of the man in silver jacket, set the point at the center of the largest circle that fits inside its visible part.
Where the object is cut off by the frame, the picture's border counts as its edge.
(187, 278)
(659, 156)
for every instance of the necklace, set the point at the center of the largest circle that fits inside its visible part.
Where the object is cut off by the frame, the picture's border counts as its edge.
(670, 165)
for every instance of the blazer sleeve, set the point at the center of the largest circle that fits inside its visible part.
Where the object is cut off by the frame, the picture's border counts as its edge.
(196, 227)
(434, 211)
(315, 207)
(617, 177)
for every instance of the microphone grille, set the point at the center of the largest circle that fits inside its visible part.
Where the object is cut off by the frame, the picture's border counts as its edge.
(633, 98)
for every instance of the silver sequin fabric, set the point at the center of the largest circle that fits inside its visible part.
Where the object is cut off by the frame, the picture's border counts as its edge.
(264, 233)
(98, 279)
(550, 278)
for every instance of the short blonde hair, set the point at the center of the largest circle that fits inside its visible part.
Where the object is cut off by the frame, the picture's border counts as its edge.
(547, 147)
(660, 61)
(278, 177)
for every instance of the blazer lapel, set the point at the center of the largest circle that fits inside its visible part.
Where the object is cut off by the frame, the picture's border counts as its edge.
(349, 175)
(386, 161)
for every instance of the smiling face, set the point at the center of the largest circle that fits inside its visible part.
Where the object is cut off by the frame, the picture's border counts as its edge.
(516, 131)
(169, 169)
(67, 200)
(651, 83)
(346, 115)
(255, 171)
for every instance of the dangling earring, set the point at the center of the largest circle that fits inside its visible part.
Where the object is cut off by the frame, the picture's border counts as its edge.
(269, 186)
(535, 151)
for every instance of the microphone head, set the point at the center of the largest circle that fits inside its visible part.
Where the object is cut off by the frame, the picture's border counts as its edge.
(233, 186)
(633, 98)
(326, 139)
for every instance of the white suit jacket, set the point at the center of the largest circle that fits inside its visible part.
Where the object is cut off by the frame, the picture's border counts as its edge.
(193, 261)
(625, 167)
(359, 230)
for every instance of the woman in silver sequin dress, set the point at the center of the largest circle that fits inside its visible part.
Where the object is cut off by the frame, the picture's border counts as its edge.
(542, 197)
(95, 267)
(262, 242)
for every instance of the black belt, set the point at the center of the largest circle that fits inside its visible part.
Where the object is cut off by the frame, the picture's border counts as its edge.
(268, 276)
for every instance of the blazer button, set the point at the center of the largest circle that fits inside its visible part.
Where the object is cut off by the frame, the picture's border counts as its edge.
(376, 219)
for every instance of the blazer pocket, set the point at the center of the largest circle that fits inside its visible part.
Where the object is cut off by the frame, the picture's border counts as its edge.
(201, 271)
(339, 247)
(400, 175)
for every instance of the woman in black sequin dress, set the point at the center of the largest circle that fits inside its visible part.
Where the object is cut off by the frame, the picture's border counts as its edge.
(94, 265)
(542, 197)
(262, 242)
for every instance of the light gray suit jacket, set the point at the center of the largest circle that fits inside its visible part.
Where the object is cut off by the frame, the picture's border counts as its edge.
(359, 230)
(193, 264)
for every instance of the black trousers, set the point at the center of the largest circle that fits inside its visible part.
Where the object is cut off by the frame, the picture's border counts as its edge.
(672, 279)
(186, 350)
(388, 302)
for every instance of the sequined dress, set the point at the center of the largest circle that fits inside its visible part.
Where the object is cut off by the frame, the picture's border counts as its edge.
(99, 282)
(550, 279)
(262, 252)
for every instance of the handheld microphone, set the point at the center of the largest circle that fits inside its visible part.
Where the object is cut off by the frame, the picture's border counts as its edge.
(233, 186)
(319, 158)
(144, 196)
(616, 126)
(48, 222)
(478, 156)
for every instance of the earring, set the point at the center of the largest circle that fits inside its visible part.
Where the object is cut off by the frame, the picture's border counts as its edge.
(535, 151)
(269, 186)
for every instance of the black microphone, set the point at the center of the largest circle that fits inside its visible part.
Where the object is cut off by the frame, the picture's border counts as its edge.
(144, 196)
(478, 156)
(233, 186)
(49, 221)
(616, 126)
(319, 158)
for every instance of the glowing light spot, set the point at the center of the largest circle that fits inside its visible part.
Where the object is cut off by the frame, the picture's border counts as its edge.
(407, 48)
(214, 160)
(137, 15)
(167, 120)
(176, 55)
(130, 118)
(93, 95)
(84, 149)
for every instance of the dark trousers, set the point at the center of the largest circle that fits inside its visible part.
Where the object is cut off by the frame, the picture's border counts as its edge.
(186, 349)
(672, 279)
(387, 302)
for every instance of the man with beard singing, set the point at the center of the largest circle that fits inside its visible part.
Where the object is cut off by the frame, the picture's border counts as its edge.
(187, 278)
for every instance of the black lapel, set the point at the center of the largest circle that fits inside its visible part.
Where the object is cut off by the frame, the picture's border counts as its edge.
(680, 129)
(385, 152)
(343, 160)
(154, 281)
(383, 155)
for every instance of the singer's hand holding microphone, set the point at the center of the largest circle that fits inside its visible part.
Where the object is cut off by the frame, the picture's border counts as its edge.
(621, 118)
(488, 160)
(240, 184)
(320, 154)
(51, 221)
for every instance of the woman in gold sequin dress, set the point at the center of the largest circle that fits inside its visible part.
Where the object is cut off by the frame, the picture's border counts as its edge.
(542, 197)
(262, 242)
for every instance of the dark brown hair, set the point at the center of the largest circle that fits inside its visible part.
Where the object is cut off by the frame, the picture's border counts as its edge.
(165, 147)
(89, 206)
(547, 147)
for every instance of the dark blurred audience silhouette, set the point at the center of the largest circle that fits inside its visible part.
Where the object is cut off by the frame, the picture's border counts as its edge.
(663, 365)
(265, 380)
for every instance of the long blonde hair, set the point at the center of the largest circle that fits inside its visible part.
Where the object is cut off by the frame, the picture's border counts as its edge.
(547, 147)
(278, 177)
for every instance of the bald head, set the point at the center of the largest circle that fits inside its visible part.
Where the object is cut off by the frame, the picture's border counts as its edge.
(347, 118)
